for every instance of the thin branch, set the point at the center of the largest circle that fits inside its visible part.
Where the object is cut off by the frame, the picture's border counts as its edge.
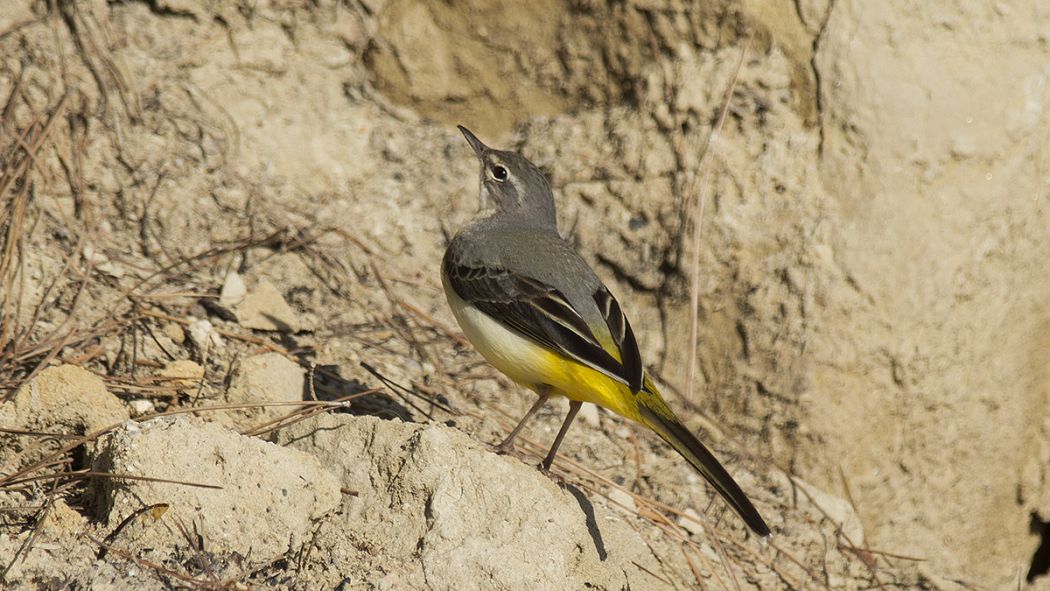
(701, 203)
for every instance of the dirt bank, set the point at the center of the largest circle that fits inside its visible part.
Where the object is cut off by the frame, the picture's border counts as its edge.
(209, 205)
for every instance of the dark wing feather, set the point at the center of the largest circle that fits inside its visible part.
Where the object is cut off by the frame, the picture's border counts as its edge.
(542, 313)
(623, 335)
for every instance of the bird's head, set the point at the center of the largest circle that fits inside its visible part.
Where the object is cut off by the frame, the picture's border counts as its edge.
(512, 184)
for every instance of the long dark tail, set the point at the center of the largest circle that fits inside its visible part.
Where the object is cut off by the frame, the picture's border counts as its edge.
(671, 430)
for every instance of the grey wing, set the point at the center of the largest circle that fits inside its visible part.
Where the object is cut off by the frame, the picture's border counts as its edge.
(542, 313)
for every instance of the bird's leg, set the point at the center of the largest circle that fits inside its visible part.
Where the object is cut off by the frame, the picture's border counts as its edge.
(507, 445)
(574, 407)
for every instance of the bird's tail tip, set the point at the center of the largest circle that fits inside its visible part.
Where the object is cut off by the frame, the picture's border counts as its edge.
(689, 447)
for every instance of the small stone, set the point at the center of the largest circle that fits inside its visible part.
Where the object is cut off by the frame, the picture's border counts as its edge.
(93, 256)
(623, 500)
(233, 290)
(265, 309)
(269, 377)
(173, 331)
(62, 522)
(263, 47)
(691, 521)
(183, 373)
(132, 427)
(203, 334)
(141, 406)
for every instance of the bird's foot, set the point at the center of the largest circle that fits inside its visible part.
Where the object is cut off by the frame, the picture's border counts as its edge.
(556, 478)
(504, 448)
(508, 449)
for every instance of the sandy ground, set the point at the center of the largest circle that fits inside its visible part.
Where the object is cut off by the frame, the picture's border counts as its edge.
(226, 361)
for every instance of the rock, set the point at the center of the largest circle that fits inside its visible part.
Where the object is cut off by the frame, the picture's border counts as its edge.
(265, 309)
(269, 377)
(691, 521)
(203, 335)
(64, 399)
(67, 396)
(434, 510)
(233, 290)
(62, 522)
(264, 47)
(57, 553)
(173, 331)
(101, 262)
(141, 407)
(183, 373)
(269, 500)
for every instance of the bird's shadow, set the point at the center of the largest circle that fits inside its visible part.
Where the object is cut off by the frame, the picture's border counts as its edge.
(326, 382)
(592, 523)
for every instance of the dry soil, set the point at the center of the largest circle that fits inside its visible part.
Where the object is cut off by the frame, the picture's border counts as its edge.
(230, 214)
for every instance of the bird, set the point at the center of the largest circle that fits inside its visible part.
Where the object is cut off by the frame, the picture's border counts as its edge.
(534, 309)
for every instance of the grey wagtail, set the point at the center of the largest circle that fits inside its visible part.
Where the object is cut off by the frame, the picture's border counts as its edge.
(536, 311)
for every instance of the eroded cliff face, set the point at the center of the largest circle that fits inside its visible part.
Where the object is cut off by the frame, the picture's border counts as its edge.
(934, 153)
(874, 311)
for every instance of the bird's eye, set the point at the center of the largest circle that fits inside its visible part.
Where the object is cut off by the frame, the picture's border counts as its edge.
(500, 173)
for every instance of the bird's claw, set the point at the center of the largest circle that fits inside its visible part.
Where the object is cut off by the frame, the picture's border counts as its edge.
(504, 449)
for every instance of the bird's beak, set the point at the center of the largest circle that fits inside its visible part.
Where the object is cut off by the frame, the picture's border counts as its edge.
(475, 143)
